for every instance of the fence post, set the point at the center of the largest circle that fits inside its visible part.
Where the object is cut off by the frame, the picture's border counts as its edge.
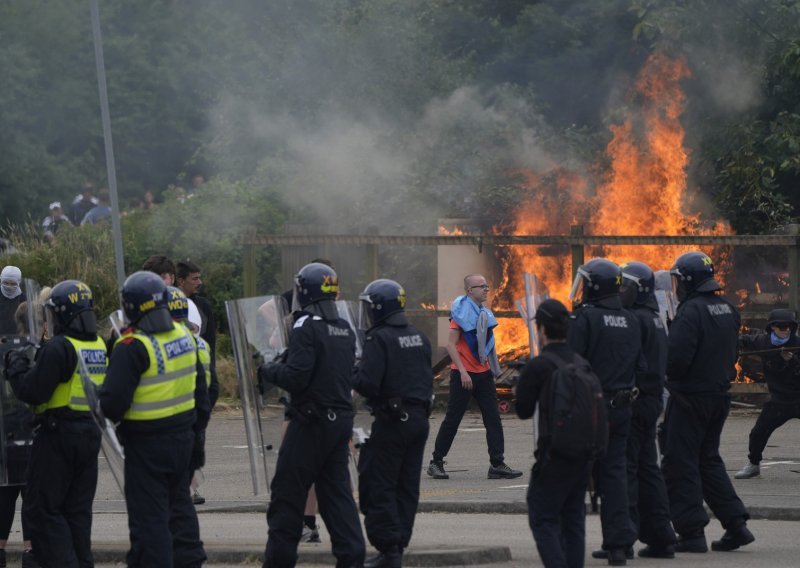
(577, 249)
(794, 268)
(372, 257)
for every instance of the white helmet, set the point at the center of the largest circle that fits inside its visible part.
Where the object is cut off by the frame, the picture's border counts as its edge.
(195, 321)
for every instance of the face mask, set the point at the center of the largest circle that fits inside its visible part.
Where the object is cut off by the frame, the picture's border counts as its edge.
(10, 292)
(778, 341)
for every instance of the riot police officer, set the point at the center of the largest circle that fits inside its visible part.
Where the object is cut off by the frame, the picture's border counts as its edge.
(317, 373)
(156, 386)
(396, 378)
(648, 503)
(62, 471)
(608, 336)
(703, 348)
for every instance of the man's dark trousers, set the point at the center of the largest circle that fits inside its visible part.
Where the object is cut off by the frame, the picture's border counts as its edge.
(314, 452)
(389, 474)
(647, 498)
(556, 511)
(61, 484)
(612, 482)
(773, 416)
(161, 517)
(485, 392)
(692, 466)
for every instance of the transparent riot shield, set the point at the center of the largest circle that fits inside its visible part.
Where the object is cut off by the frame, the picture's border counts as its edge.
(16, 421)
(257, 327)
(667, 302)
(109, 443)
(348, 311)
(117, 321)
(35, 321)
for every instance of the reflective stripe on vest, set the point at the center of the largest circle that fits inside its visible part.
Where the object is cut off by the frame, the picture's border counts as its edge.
(167, 387)
(205, 358)
(71, 394)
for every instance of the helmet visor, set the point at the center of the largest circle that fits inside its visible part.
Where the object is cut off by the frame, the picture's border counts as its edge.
(364, 312)
(576, 295)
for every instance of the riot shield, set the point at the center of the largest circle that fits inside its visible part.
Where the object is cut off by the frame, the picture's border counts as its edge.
(257, 326)
(348, 311)
(117, 321)
(667, 302)
(16, 422)
(35, 322)
(109, 443)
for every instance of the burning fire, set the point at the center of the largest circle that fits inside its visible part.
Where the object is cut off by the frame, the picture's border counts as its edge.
(642, 193)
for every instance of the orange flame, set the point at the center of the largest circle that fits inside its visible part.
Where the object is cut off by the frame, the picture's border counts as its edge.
(642, 193)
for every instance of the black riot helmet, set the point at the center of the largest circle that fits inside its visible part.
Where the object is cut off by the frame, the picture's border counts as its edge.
(382, 300)
(144, 300)
(693, 272)
(638, 285)
(70, 307)
(598, 279)
(782, 316)
(177, 303)
(316, 287)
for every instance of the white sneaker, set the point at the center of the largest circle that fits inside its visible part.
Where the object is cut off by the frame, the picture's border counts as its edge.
(748, 471)
(310, 535)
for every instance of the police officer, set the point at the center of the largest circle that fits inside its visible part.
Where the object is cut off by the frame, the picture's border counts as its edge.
(703, 348)
(317, 373)
(778, 349)
(608, 336)
(396, 378)
(156, 387)
(648, 503)
(62, 471)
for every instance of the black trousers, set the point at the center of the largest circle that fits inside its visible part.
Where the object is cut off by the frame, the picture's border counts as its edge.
(647, 495)
(773, 416)
(557, 511)
(8, 503)
(485, 392)
(611, 476)
(692, 466)
(61, 483)
(389, 469)
(162, 520)
(314, 453)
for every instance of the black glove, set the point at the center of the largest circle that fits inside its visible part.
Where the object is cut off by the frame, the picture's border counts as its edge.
(198, 451)
(262, 382)
(16, 362)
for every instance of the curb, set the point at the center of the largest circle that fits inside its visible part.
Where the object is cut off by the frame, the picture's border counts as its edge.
(319, 555)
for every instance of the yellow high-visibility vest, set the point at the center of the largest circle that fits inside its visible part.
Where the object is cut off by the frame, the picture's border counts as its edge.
(71, 394)
(204, 354)
(167, 387)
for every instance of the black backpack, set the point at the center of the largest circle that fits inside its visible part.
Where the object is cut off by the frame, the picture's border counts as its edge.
(578, 418)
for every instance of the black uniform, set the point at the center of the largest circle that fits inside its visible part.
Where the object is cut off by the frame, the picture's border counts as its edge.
(62, 471)
(703, 342)
(8, 309)
(556, 511)
(609, 338)
(161, 517)
(648, 502)
(783, 380)
(396, 377)
(315, 449)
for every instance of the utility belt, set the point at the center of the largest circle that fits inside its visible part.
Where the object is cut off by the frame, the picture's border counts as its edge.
(397, 408)
(310, 412)
(621, 398)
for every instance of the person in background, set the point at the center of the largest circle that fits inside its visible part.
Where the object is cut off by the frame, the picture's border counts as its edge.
(163, 266)
(83, 203)
(11, 296)
(471, 348)
(54, 221)
(780, 359)
(100, 212)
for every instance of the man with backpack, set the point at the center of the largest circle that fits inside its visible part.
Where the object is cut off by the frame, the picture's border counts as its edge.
(568, 438)
(609, 337)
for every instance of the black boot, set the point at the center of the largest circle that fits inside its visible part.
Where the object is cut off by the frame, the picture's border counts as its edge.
(733, 539)
(659, 551)
(694, 541)
(617, 557)
(604, 553)
(390, 558)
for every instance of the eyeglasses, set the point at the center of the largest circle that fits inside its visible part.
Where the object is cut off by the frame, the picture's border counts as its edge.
(781, 326)
(482, 286)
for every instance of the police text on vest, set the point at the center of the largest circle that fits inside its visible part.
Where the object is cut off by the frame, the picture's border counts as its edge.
(615, 321)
